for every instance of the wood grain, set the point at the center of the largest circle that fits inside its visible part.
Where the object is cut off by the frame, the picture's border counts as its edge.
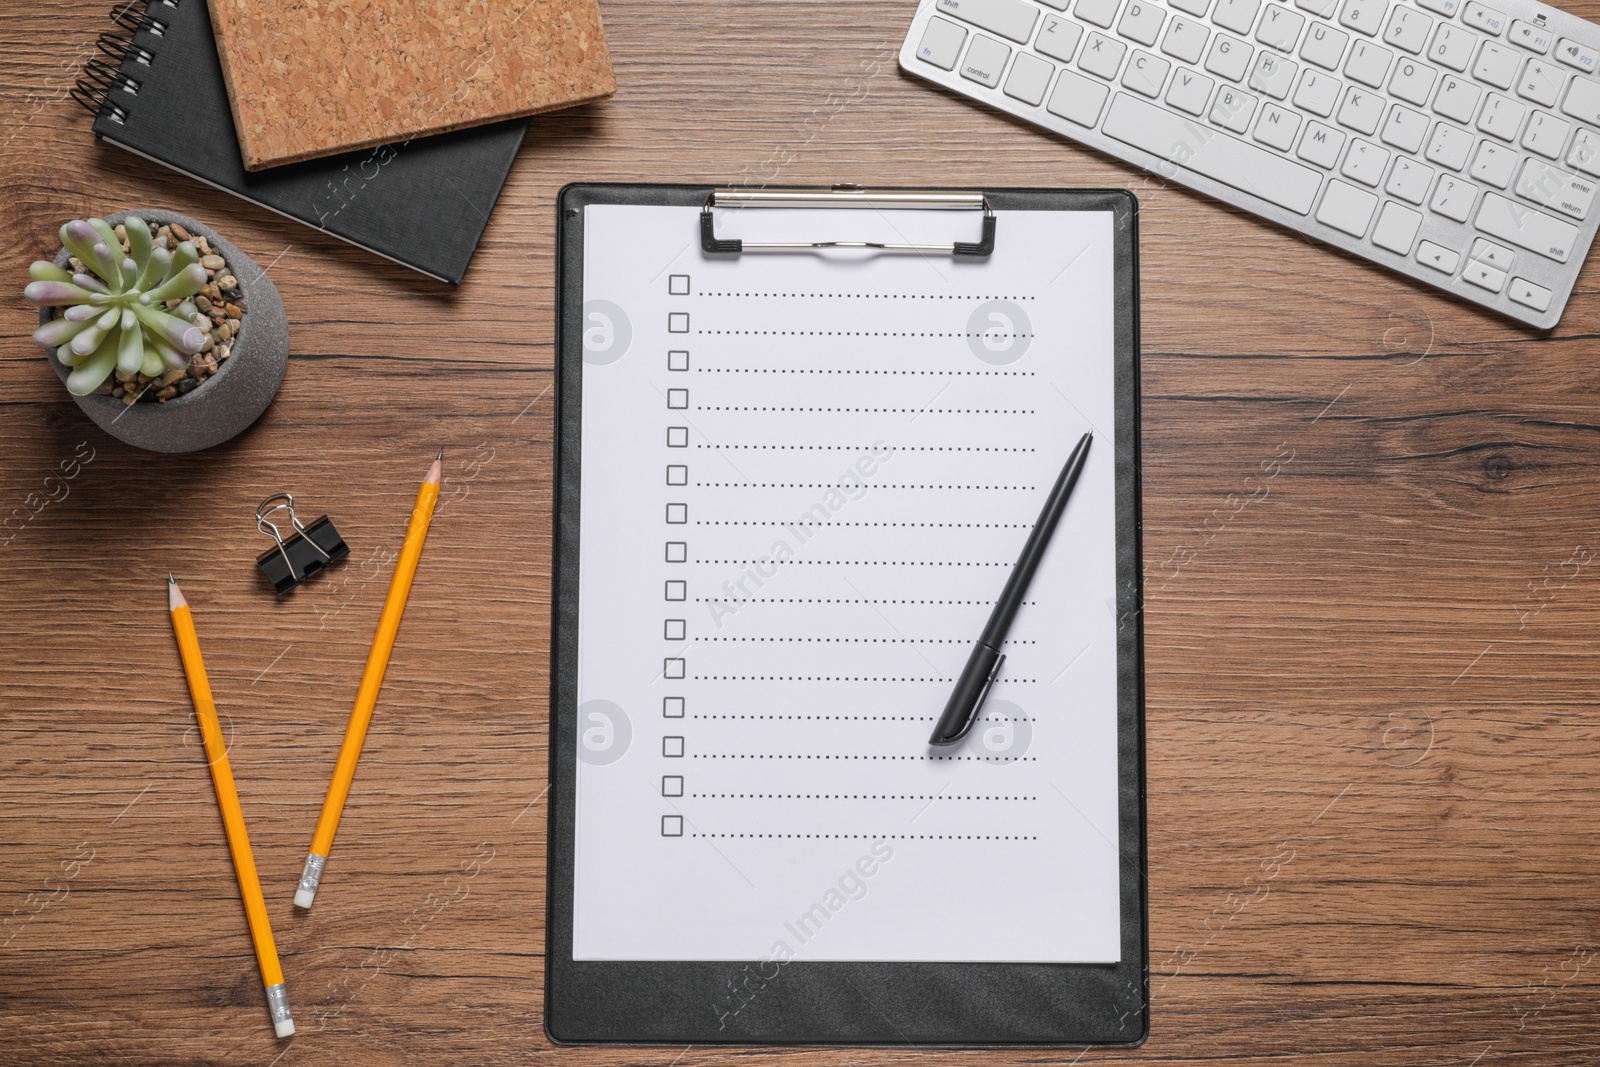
(1370, 562)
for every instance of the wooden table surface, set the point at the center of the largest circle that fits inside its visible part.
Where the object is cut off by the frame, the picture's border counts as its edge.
(1370, 567)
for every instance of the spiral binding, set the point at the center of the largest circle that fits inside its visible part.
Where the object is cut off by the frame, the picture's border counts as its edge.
(103, 73)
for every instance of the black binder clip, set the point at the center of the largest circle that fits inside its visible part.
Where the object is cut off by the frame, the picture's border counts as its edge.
(306, 552)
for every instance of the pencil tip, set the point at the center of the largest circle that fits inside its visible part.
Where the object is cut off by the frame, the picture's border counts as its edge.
(441, 453)
(170, 579)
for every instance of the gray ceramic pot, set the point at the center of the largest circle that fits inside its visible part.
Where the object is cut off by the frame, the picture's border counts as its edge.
(231, 399)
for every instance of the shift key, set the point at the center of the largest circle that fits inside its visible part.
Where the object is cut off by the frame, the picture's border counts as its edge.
(1008, 18)
(1527, 228)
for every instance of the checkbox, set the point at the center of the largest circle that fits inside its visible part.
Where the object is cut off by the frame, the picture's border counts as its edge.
(678, 360)
(676, 629)
(677, 437)
(672, 707)
(678, 399)
(677, 551)
(677, 474)
(677, 514)
(677, 590)
(672, 667)
(672, 747)
(678, 284)
(672, 826)
(678, 322)
(672, 785)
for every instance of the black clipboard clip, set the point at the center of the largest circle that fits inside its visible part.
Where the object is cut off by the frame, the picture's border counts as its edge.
(849, 196)
(306, 551)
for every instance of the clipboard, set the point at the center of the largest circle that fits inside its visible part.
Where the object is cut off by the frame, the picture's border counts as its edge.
(625, 991)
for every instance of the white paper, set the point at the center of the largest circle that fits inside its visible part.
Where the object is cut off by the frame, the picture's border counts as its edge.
(847, 469)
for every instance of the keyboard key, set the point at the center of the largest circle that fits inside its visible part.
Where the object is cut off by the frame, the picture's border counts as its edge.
(1585, 153)
(1323, 9)
(1449, 146)
(1059, 5)
(1058, 38)
(1368, 64)
(1142, 22)
(1494, 164)
(1197, 8)
(1222, 158)
(1546, 135)
(1453, 198)
(1408, 29)
(1574, 54)
(1530, 295)
(1233, 110)
(1185, 40)
(1412, 81)
(1405, 129)
(1361, 110)
(1029, 78)
(1280, 28)
(1346, 208)
(986, 58)
(1101, 13)
(1456, 99)
(1102, 56)
(941, 43)
(1409, 181)
(1363, 16)
(1496, 65)
(1541, 83)
(1452, 47)
(1320, 145)
(1146, 74)
(1397, 228)
(1236, 15)
(1533, 38)
(1447, 8)
(1077, 99)
(1583, 101)
(1318, 93)
(1497, 256)
(1365, 163)
(1483, 276)
(1277, 127)
(1324, 46)
(1549, 187)
(1008, 18)
(1272, 75)
(1190, 91)
(1502, 117)
(1438, 257)
(1228, 58)
(1526, 228)
(1484, 18)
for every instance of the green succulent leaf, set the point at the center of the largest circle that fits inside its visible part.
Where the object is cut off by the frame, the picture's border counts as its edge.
(185, 283)
(79, 238)
(92, 371)
(139, 246)
(184, 336)
(155, 269)
(59, 332)
(44, 271)
(185, 255)
(130, 352)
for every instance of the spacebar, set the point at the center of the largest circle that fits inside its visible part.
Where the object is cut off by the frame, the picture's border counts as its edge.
(1203, 150)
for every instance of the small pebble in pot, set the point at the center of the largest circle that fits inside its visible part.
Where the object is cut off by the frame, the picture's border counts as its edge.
(177, 231)
(213, 262)
(188, 385)
(203, 303)
(167, 394)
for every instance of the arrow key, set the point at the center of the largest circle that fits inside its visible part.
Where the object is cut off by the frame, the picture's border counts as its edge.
(1438, 257)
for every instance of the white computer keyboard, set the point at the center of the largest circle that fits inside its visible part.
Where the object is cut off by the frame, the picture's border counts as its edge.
(1453, 141)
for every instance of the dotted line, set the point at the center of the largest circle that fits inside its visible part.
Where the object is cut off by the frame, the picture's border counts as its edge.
(892, 837)
(835, 485)
(866, 640)
(865, 718)
(925, 525)
(849, 796)
(819, 600)
(850, 370)
(845, 333)
(865, 562)
(868, 296)
(865, 448)
(928, 759)
(882, 411)
(807, 678)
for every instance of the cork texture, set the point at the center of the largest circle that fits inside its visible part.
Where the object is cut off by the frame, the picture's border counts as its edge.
(309, 78)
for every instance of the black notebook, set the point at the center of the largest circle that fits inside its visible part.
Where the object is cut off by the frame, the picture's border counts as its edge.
(423, 203)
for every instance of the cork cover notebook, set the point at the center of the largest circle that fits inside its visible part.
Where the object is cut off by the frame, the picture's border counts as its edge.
(309, 78)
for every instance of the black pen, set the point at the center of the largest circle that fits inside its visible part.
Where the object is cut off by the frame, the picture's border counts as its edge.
(986, 659)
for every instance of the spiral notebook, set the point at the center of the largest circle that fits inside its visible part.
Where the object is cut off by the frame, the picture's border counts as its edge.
(792, 481)
(158, 92)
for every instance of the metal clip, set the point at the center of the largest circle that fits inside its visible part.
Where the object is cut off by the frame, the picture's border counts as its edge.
(305, 553)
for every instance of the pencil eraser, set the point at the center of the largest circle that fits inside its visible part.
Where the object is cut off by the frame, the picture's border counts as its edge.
(303, 897)
(283, 1027)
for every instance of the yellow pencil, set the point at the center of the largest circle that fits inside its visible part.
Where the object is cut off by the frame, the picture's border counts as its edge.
(244, 864)
(344, 771)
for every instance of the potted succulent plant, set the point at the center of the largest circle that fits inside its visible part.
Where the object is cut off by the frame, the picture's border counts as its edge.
(165, 334)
